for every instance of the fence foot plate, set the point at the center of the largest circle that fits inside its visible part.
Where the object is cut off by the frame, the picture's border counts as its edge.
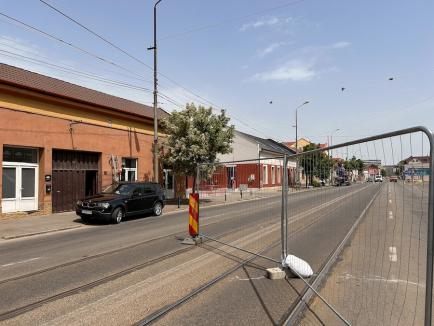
(276, 273)
(192, 241)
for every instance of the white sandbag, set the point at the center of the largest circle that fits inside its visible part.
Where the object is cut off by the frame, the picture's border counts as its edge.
(299, 266)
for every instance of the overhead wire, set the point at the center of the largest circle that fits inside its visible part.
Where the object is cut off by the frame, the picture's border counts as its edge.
(73, 71)
(69, 44)
(229, 20)
(104, 39)
(32, 53)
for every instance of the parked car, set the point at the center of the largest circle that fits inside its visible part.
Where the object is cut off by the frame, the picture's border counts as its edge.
(126, 199)
(370, 179)
(378, 178)
(393, 178)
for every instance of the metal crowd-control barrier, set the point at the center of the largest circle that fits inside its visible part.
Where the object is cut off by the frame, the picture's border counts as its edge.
(361, 213)
(381, 271)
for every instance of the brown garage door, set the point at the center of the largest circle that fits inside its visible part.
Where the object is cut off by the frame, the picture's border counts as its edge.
(75, 175)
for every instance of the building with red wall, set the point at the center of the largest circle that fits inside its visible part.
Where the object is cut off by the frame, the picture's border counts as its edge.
(254, 163)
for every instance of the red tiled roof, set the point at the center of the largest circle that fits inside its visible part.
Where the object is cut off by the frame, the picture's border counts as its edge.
(43, 84)
(288, 143)
(292, 143)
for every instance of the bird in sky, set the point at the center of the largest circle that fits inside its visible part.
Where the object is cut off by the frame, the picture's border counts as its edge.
(342, 89)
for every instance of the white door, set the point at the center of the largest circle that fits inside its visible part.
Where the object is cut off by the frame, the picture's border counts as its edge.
(19, 187)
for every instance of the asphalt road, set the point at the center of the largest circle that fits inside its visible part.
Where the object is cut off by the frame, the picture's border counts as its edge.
(37, 268)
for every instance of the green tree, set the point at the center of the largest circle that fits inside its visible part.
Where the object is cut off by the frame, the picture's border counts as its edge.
(400, 169)
(196, 135)
(354, 164)
(316, 164)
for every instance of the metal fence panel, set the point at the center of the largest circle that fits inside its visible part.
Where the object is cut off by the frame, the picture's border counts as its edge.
(373, 234)
(360, 213)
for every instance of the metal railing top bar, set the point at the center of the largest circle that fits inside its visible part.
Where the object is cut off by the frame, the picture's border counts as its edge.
(258, 159)
(425, 130)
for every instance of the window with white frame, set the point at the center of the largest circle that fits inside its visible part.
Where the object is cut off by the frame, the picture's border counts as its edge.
(129, 169)
(273, 175)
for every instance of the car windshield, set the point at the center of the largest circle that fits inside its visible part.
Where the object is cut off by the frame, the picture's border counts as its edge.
(124, 189)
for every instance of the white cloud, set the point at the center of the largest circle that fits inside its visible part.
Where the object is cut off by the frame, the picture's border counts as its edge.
(340, 45)
(293, 70)
(260, 23)
(269, 49)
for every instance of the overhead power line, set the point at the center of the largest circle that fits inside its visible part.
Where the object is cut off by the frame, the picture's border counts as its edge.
(73, 71)
(95, 33)
(229, 20)
(104, 39)
(33, 54)
(58, 39)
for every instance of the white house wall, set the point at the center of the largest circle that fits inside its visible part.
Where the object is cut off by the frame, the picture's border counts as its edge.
(242, 149)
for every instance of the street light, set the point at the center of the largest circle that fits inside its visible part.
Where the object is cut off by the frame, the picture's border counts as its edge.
(331, 137)
(154, 48)
(296, 140)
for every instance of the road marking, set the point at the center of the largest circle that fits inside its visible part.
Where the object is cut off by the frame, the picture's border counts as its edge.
(393, 257)
(390, 215)
(376, 278)
(20, 262)
(390, 201)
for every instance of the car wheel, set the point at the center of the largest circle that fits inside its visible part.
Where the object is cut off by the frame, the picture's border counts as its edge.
(117, 215)
(158, 209)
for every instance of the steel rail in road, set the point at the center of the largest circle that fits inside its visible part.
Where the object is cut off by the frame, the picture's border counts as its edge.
(109, 252)
(155, 316)
(23, 309)
(160, 313)
(311, 289)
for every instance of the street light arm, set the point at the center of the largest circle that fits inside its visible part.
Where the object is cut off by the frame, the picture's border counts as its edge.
(155, 6)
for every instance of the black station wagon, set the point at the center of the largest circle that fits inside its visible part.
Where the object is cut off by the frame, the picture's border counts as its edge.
(126, 199)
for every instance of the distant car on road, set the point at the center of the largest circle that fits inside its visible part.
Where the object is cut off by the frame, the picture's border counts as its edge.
(126, 199)
(393, 178)
(378, 178)
(370, 179)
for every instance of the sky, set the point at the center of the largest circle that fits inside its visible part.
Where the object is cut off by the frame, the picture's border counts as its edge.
(241, 55)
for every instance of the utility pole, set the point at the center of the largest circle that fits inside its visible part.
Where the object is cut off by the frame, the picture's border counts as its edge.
(154, 48)
(297, 178)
